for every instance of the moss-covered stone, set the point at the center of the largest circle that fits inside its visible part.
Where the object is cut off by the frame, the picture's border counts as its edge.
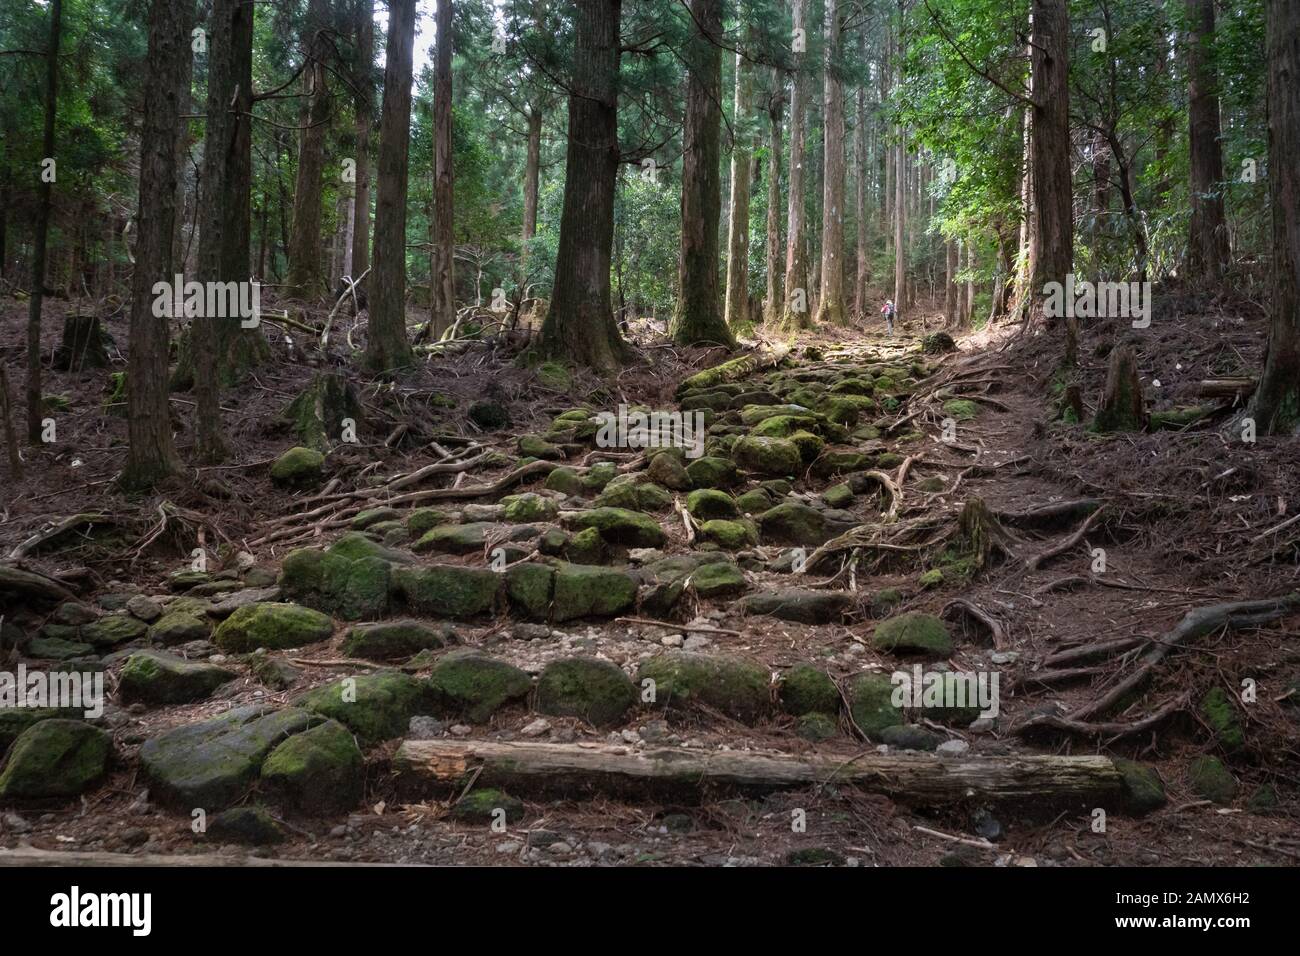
(318, 414)
(595, 478)
(15, 720)
(800, 604)
(962, 409)
(733, 686)
(211, 764)
(594, 690)
(712, 472)
(767, 456)
(586, 547)
(913, 633)
(272, 625)
(298, 468)
(783, 426)
(253, 826)
(708, 503)
(634, 495)
(487, 806)
(533, 446)
(529, 587)
(755, 502)
(871, 704)
(467, 683)
(44, 648)
(55, 758)
(153, 677)
(718, 579)
(1143, 791)
(375, 707)
(832, 463)
(806, 689)
(392, 640)
(621, 526)
(113, 629)
(669, 471)
(931, 579)
(447, 590)
(333, 581)
(178, 627)
(816, 727)
(564, 479)
(794, 523)
(529, 507)
(319, 771)
(838, 496)
(731, 535)
(1212, 780)
(587, 591)
(1221, 717)
(910, 737)
(469, 538)
(422, 520)
(810, 446)
(488, 414)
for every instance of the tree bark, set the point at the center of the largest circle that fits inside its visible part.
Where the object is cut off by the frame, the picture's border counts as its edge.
(1050, 143)
(41, 228)
(831, 307)
(387, 346)
(151, 454)
(442, 295)
(1208, 253)
(365, 110)
(696, 318)
(795, 311)
(860, 197)
(1276, 403)
(736, 312)
(304, 278)
(532, 177)
(579, 324)
(775, 103)
(922, 780)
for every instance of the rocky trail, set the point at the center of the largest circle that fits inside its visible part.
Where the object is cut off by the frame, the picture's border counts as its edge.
(539, 649)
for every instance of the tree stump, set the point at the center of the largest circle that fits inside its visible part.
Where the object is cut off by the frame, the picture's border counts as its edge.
(1122, 408)
(82, 346)
(317, 414)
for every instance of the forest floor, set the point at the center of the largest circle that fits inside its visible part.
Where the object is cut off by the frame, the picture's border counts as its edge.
(1186, 520)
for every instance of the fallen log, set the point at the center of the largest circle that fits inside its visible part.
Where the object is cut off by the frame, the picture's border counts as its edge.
(1226, 387)
(32, 586)
(1035, 781)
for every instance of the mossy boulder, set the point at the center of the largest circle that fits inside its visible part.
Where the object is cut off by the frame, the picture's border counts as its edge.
(871, 704)
(589, 591)
(55, 758)
(620, 526)
(319, 771)
(467, 683)
(806, 689)
(731, 535)
(1143, 791)
(718, 579)
(794, 523)
(15, 720)
(804, 605)
(447, 590)
(594, 690)
(274, 626)
(838, 496)
(707, 503)
(253, 826)
(534, 446)
(317, 416)
(810, 446)
(298, 467)
(783, 426)
(153, 677)
(910, 737)
(755, 502)
(669, 471)
(529, 507)
(178, 627)
(529, 588)
(373, 516)
(737, 688)
(113, 629)
(767, 456)
(565, 480)
(422, 520)
(832, 463)
(854, 385)
(487, 806)
(335, 582)
(632, 495)
(1211, 779)
(595, 478)
(376, 706)
(586, 547)
(913, 633)
(392, 640)
(211, 764)
(488, 414)
(962, 409)
(816, 727)
(1221, 717)
(712, 472)
(469, 538)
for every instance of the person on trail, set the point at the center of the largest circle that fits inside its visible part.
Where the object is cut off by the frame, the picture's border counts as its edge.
(888, 310)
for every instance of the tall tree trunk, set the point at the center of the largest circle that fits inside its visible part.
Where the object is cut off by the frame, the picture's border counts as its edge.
(737, 297)
(532, 177)
(775, 102)
(387, 346)
(579, 324)
(1208, 253)
(442, 295)
(1050, 148)
(831, 306)
(1276, 403)
(860, 196)
(365, 110)
(304, 279)
(696, 319)
(796, 314)
(41, 227)
(151, 454)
